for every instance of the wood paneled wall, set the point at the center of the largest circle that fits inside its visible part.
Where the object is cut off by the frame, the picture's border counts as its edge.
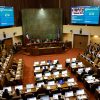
(64, 4)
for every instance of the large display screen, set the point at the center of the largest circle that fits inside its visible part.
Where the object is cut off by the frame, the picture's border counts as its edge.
(85, 15)
(6, 16)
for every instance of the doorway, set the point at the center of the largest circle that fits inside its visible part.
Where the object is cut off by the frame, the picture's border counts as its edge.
(80, 41)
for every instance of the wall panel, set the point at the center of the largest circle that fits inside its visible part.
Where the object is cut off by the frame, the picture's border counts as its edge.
(2, 2)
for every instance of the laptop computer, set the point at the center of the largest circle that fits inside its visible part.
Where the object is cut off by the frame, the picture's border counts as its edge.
(46, 97)
(69, 94)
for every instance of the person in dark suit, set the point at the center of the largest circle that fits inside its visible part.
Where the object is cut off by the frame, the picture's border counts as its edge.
(60, 98)
(17, 92)
(44, 70)
(90, 72)
(42, 90)
(83, 73)
(6, 95)
(17, 95)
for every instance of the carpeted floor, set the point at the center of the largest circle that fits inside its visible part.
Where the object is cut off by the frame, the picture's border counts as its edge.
(28, 76)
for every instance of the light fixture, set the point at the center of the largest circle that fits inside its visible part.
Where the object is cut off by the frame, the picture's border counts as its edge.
(96, 36)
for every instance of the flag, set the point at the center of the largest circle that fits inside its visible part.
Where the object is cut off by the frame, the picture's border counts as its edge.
(58, 33)
(27, 39)
(27, 36)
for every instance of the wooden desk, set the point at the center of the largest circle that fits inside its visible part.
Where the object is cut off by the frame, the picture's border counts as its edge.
(71, 98)
(45, 51)
(84, 61)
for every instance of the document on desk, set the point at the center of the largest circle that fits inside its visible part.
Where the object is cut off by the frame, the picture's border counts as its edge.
(90, 81)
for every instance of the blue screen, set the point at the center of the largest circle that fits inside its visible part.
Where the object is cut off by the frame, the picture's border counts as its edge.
(61, 81)
(85, 15)
(6, 16)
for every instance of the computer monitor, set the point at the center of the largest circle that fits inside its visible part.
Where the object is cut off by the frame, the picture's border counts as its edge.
(52, 66)
(80, 63)
(80, 70)
(87, 69)
(73, 65)
(47, 74)
(42, 62)
(89, 77)
(64, 72)
(69, 94)
(70, 80)
(39, 75)
(59, 65)
(33, 98)
(1, 91)
(56, 73)
(55, 96)
(28, 86)
(28, 90)
(20, 87)
(46, 97)
(98, 87)
(36, 63)
(39, 84)
(55, 61)
(8, 88)
(37, 68)
(51, 82)
(80, 92)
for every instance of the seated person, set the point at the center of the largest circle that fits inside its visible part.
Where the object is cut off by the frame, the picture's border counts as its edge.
(83, 73)
(44, 70)
(12, 72)
(95, 61)
(42, 90)
(6, 95)
(17, 92)
(17, 95)
(60, 98)
(91, 72)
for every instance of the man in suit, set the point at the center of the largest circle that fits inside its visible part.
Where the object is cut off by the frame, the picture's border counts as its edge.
(42, 90)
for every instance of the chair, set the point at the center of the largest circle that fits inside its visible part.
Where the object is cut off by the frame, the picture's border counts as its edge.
(67, 62)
